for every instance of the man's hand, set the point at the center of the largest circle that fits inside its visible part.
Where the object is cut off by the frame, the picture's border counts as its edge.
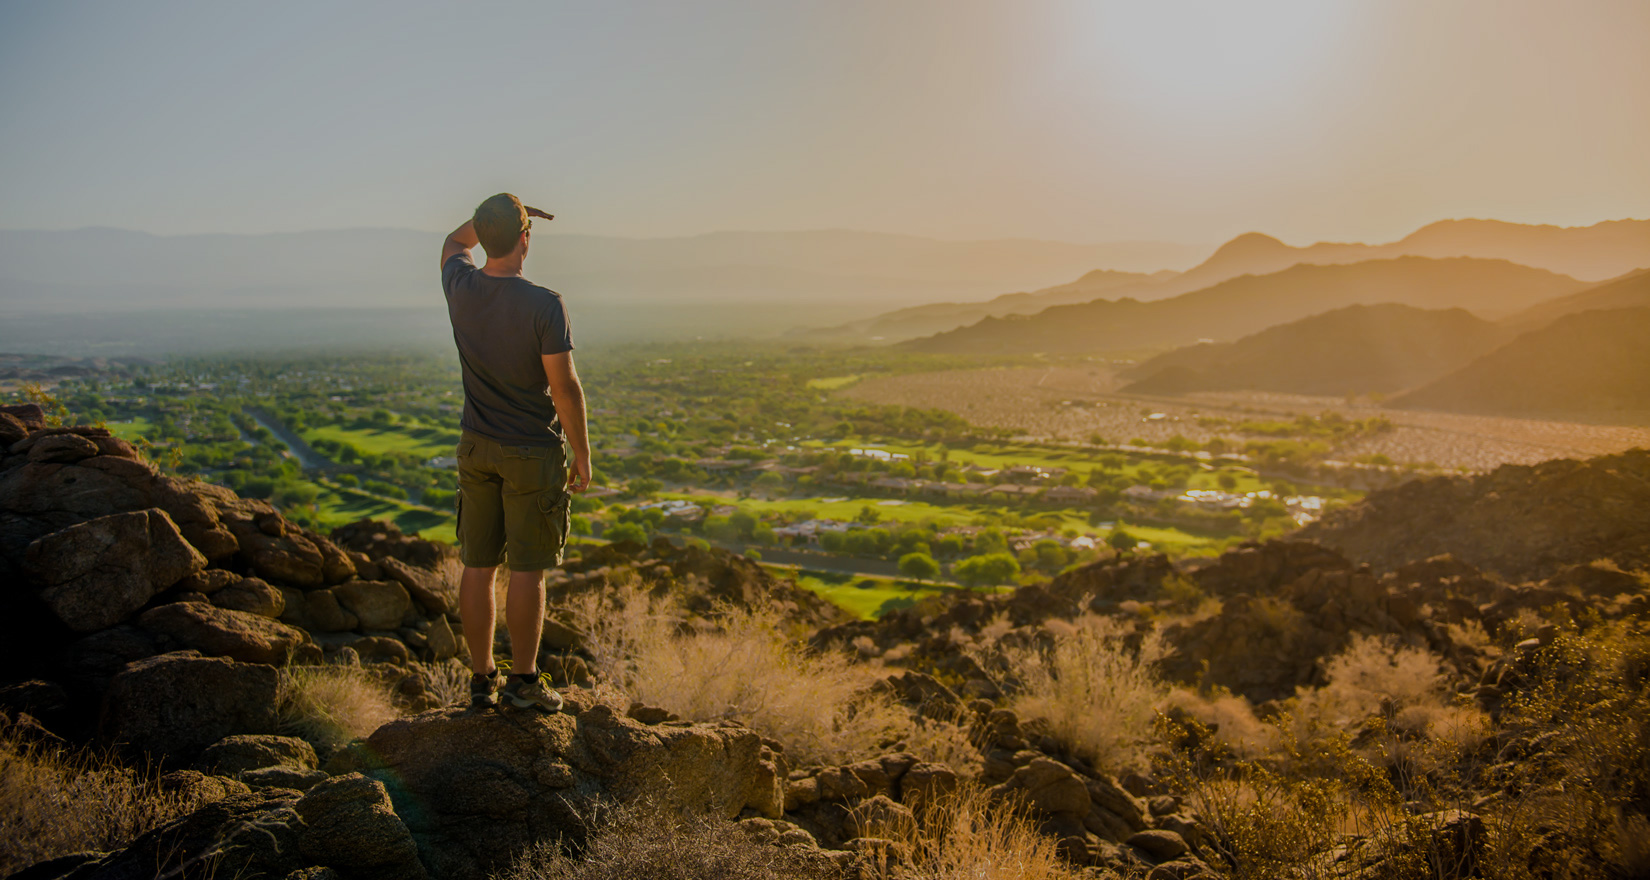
(535, 212)
(578, 476)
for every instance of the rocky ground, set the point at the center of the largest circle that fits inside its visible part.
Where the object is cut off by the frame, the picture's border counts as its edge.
(163, 618)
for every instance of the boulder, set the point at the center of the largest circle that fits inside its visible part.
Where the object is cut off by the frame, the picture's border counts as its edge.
(424, 586)
(442, 642)
(173, 706)
(221, 632)
(880, 817)
(199, 788)
(476, 789)
(62, 448)
(209, 581)
(350, 824)
(97, 573)
(1049, 786)
(322, 609)
(12, 430)
(234, 755)
(252, 595)
(377, 605)
(282, 553)
(243, 835)
(293, 778)
(1161, 846)
(926, 783)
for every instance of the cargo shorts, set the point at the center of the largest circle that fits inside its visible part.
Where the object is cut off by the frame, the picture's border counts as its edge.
(513, 504)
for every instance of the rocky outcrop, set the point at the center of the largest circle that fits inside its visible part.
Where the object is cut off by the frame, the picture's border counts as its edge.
(171, 707)
(476, 788)
(1520, 522)
(95, 574)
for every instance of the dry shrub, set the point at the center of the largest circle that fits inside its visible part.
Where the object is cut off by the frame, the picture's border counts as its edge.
(740, 665)
(1229, 718)
(967, 835)
(56, 802)
(448, 681)
(1373, 673)
(1094, 692)
(331, 705)
(645, 842)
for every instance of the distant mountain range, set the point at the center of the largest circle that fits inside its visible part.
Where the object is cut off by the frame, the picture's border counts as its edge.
(1248, 304)
(1358, 349)
(397, 267)
(1596, 252)
(1592, 362)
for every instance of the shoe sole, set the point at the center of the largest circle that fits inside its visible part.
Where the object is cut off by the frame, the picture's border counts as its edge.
(533, 704)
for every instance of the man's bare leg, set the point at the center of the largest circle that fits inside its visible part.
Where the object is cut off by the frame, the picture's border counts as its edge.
(524, 615)
(479, 614)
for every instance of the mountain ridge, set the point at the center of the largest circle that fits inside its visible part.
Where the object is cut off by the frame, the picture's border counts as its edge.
(1248, 304)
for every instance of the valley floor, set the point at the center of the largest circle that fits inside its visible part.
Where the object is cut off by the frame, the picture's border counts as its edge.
(1065, 403)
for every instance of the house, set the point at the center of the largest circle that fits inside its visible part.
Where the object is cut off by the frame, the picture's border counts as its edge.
(720, 465)
(1069, 494)
(1143, 493)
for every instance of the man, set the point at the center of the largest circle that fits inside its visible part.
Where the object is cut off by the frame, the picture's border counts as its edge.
(513, 476)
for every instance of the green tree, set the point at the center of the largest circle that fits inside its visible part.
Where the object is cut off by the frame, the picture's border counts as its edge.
(626, 532)
(919, 566)
(987, 569)
(1121, 541)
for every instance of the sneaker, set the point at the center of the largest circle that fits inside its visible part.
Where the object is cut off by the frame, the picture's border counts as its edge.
(484, 689)
(531, 691)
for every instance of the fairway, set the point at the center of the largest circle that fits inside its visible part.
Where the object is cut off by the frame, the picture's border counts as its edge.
(424, 441)
(132, 430)
(1169, 540)
(865, 596)
(337, 506)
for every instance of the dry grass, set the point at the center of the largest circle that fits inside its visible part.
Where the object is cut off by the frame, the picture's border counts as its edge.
(741, 666)
(447, 681)
(330, 705)
(1373, 674)
(54, 803)
(967, 835)
(1094, 692)
(642, 842)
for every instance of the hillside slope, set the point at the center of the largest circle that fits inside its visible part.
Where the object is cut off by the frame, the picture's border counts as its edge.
(1246, 305)
(1589, 362)
(1629, 291)
(1358, 349)
(933, 318)
(1517, 521)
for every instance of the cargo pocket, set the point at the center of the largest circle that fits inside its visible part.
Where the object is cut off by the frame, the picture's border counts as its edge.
(557, 507)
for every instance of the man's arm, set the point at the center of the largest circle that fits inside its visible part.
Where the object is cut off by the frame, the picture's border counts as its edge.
(460, 242)
(567, 395)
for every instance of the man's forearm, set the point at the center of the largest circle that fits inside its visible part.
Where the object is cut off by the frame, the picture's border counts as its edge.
(465, 236)
(570, 412)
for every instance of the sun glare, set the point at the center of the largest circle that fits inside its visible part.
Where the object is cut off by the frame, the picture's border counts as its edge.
(1194, 57)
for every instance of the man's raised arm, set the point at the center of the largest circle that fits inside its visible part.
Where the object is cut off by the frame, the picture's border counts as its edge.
(460, 242)
(567, 395)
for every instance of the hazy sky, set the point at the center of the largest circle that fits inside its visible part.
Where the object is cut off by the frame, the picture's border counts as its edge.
(1082, 121)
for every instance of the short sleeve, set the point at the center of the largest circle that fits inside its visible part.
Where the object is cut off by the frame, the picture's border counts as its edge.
(456, 267)
(555, 334)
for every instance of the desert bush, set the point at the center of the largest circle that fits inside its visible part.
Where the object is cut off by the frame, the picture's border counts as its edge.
(643, 841)
(55, 802)
(1371, 675)
(739, 665)
(1093, 691)
(448, 682)
(1229, 718)
(330, 705)
(968, 835)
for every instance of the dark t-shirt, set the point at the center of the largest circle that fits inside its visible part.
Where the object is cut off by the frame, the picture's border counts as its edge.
(503, 326)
